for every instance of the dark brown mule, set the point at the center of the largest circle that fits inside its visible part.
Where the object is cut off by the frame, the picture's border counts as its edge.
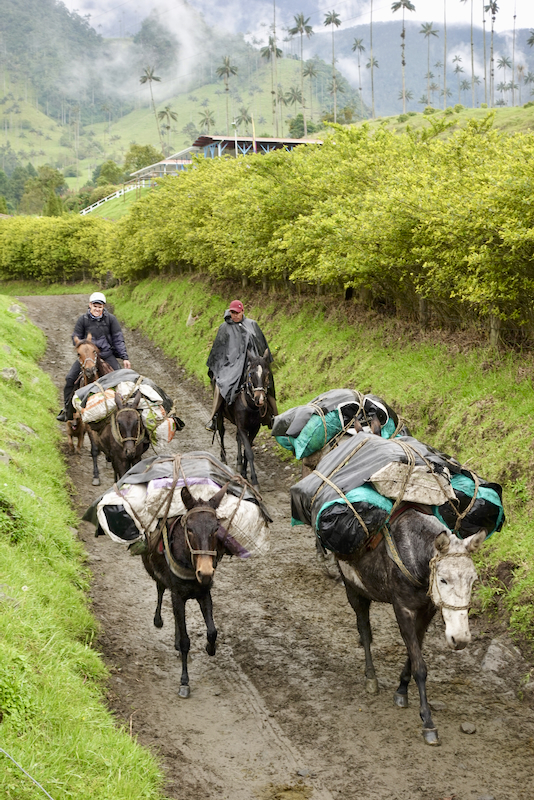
(427, 568)
(184, 561)
(92, 368)
(122, 437)
(248, 412)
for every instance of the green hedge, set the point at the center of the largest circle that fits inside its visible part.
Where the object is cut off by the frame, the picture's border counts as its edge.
(406, 217)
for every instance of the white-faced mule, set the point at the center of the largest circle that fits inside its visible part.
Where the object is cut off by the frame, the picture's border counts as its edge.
(184, 560)
(418, 566)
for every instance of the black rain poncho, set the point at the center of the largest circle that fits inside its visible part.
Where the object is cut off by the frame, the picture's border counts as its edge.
(228, 355)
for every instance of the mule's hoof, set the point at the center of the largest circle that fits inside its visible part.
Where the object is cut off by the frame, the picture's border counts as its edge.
(211, 649)
(431, 737)
(96, 481)
(401, 700)
(184, 692)
(371, 686)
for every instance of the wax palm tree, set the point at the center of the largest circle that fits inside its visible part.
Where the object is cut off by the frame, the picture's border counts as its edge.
(372, 64)
(271, 52)
(501, 87)
(334, 21)
(484, 43)
(465, 85)
(476, 81)
(504, 63)
(148, 77)
(310, 71)
(243, 118)
(492, 8)
(427, 30)
(472, 56)
(405, 94)
(225, 71)
(434, 87)
(520, 69)
(293, 96)
(458, 70)
(169, 116)
(282, 103)
(444, 93)
(357, 47)
(530, 40)
(302, 27)
(404, 5)
(207, 120)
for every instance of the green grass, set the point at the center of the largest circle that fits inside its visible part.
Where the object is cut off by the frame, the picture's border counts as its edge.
(54, 720)
(469, 402)
(120, 206)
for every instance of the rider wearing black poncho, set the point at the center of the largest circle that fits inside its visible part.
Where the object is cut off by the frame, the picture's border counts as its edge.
(228, 358)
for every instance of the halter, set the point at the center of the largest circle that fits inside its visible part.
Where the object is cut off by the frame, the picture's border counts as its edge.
(115, 430)
(432, 579)
(251, 391)
(185, 519)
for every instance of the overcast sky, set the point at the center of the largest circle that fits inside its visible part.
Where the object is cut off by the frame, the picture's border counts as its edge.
(112, 17)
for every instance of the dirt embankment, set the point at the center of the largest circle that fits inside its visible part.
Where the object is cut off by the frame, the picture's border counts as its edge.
(281, 712)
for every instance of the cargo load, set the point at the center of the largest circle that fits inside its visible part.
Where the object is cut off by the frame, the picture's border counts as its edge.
(355, 487)
(151, 492)
(96, 402)
(306, 429)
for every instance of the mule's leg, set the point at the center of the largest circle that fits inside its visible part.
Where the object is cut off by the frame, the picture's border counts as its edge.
(181, 641)
(248, 457)
(239, 460)
(158, 620)
(94, 456)
(206, 607)
(361, 607)
(220, 428)
(413, 632)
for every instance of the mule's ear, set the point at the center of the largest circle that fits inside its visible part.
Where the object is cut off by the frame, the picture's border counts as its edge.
(89, 337)
(118, 400)
(266, 354)
(475, 542)
(76, 341)
(216, 499)
(250, 354)
(187, 498)
(375, 426)
(136, 400)
(442, 543)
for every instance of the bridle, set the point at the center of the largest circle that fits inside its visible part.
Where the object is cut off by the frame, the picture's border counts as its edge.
(115, 429)
(256, 393)
(87, 370)
(187, 531)
(433, 564)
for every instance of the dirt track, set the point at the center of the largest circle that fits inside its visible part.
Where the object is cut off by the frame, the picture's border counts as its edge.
(281, 713)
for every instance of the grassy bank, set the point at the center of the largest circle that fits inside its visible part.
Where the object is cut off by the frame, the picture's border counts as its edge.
(21, 288)
(53, 718)
(458, 396)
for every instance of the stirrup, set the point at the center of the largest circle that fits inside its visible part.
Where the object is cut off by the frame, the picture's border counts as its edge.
(211, 425)
(62, 416)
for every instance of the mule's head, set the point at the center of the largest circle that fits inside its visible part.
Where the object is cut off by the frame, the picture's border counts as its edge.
(451, 580)
(200, 524)
(258, 378)
(129, 425)
(88, 357)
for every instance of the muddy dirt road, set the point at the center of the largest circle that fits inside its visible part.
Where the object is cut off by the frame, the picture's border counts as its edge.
(280, 713)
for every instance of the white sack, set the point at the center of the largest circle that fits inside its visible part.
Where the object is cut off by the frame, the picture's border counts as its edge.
(422, 486)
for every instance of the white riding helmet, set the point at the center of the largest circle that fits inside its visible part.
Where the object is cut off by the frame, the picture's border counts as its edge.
(97, 297)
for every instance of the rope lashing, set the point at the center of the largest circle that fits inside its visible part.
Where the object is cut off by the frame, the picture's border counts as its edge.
(433, 572)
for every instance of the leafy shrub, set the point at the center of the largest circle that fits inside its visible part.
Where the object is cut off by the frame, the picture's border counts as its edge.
(402, 117)
(429, 110)
(458, 107)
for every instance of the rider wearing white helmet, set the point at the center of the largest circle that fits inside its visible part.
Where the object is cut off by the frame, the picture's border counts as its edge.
(106, 334)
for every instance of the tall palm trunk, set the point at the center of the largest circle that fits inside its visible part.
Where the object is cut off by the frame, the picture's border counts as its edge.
(513, 64)
(334, 87)
(275, 69)
(485, 55)
(403, 64)
(472, 61)
(492, 67)
(444, 54)
(156, 117)
(372, 63)
(302, 86)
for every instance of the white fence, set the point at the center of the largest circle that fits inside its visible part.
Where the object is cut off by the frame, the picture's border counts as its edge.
(118, 193)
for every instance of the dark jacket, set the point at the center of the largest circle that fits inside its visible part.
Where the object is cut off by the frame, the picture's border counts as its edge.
(105, 331)
(228, 356)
